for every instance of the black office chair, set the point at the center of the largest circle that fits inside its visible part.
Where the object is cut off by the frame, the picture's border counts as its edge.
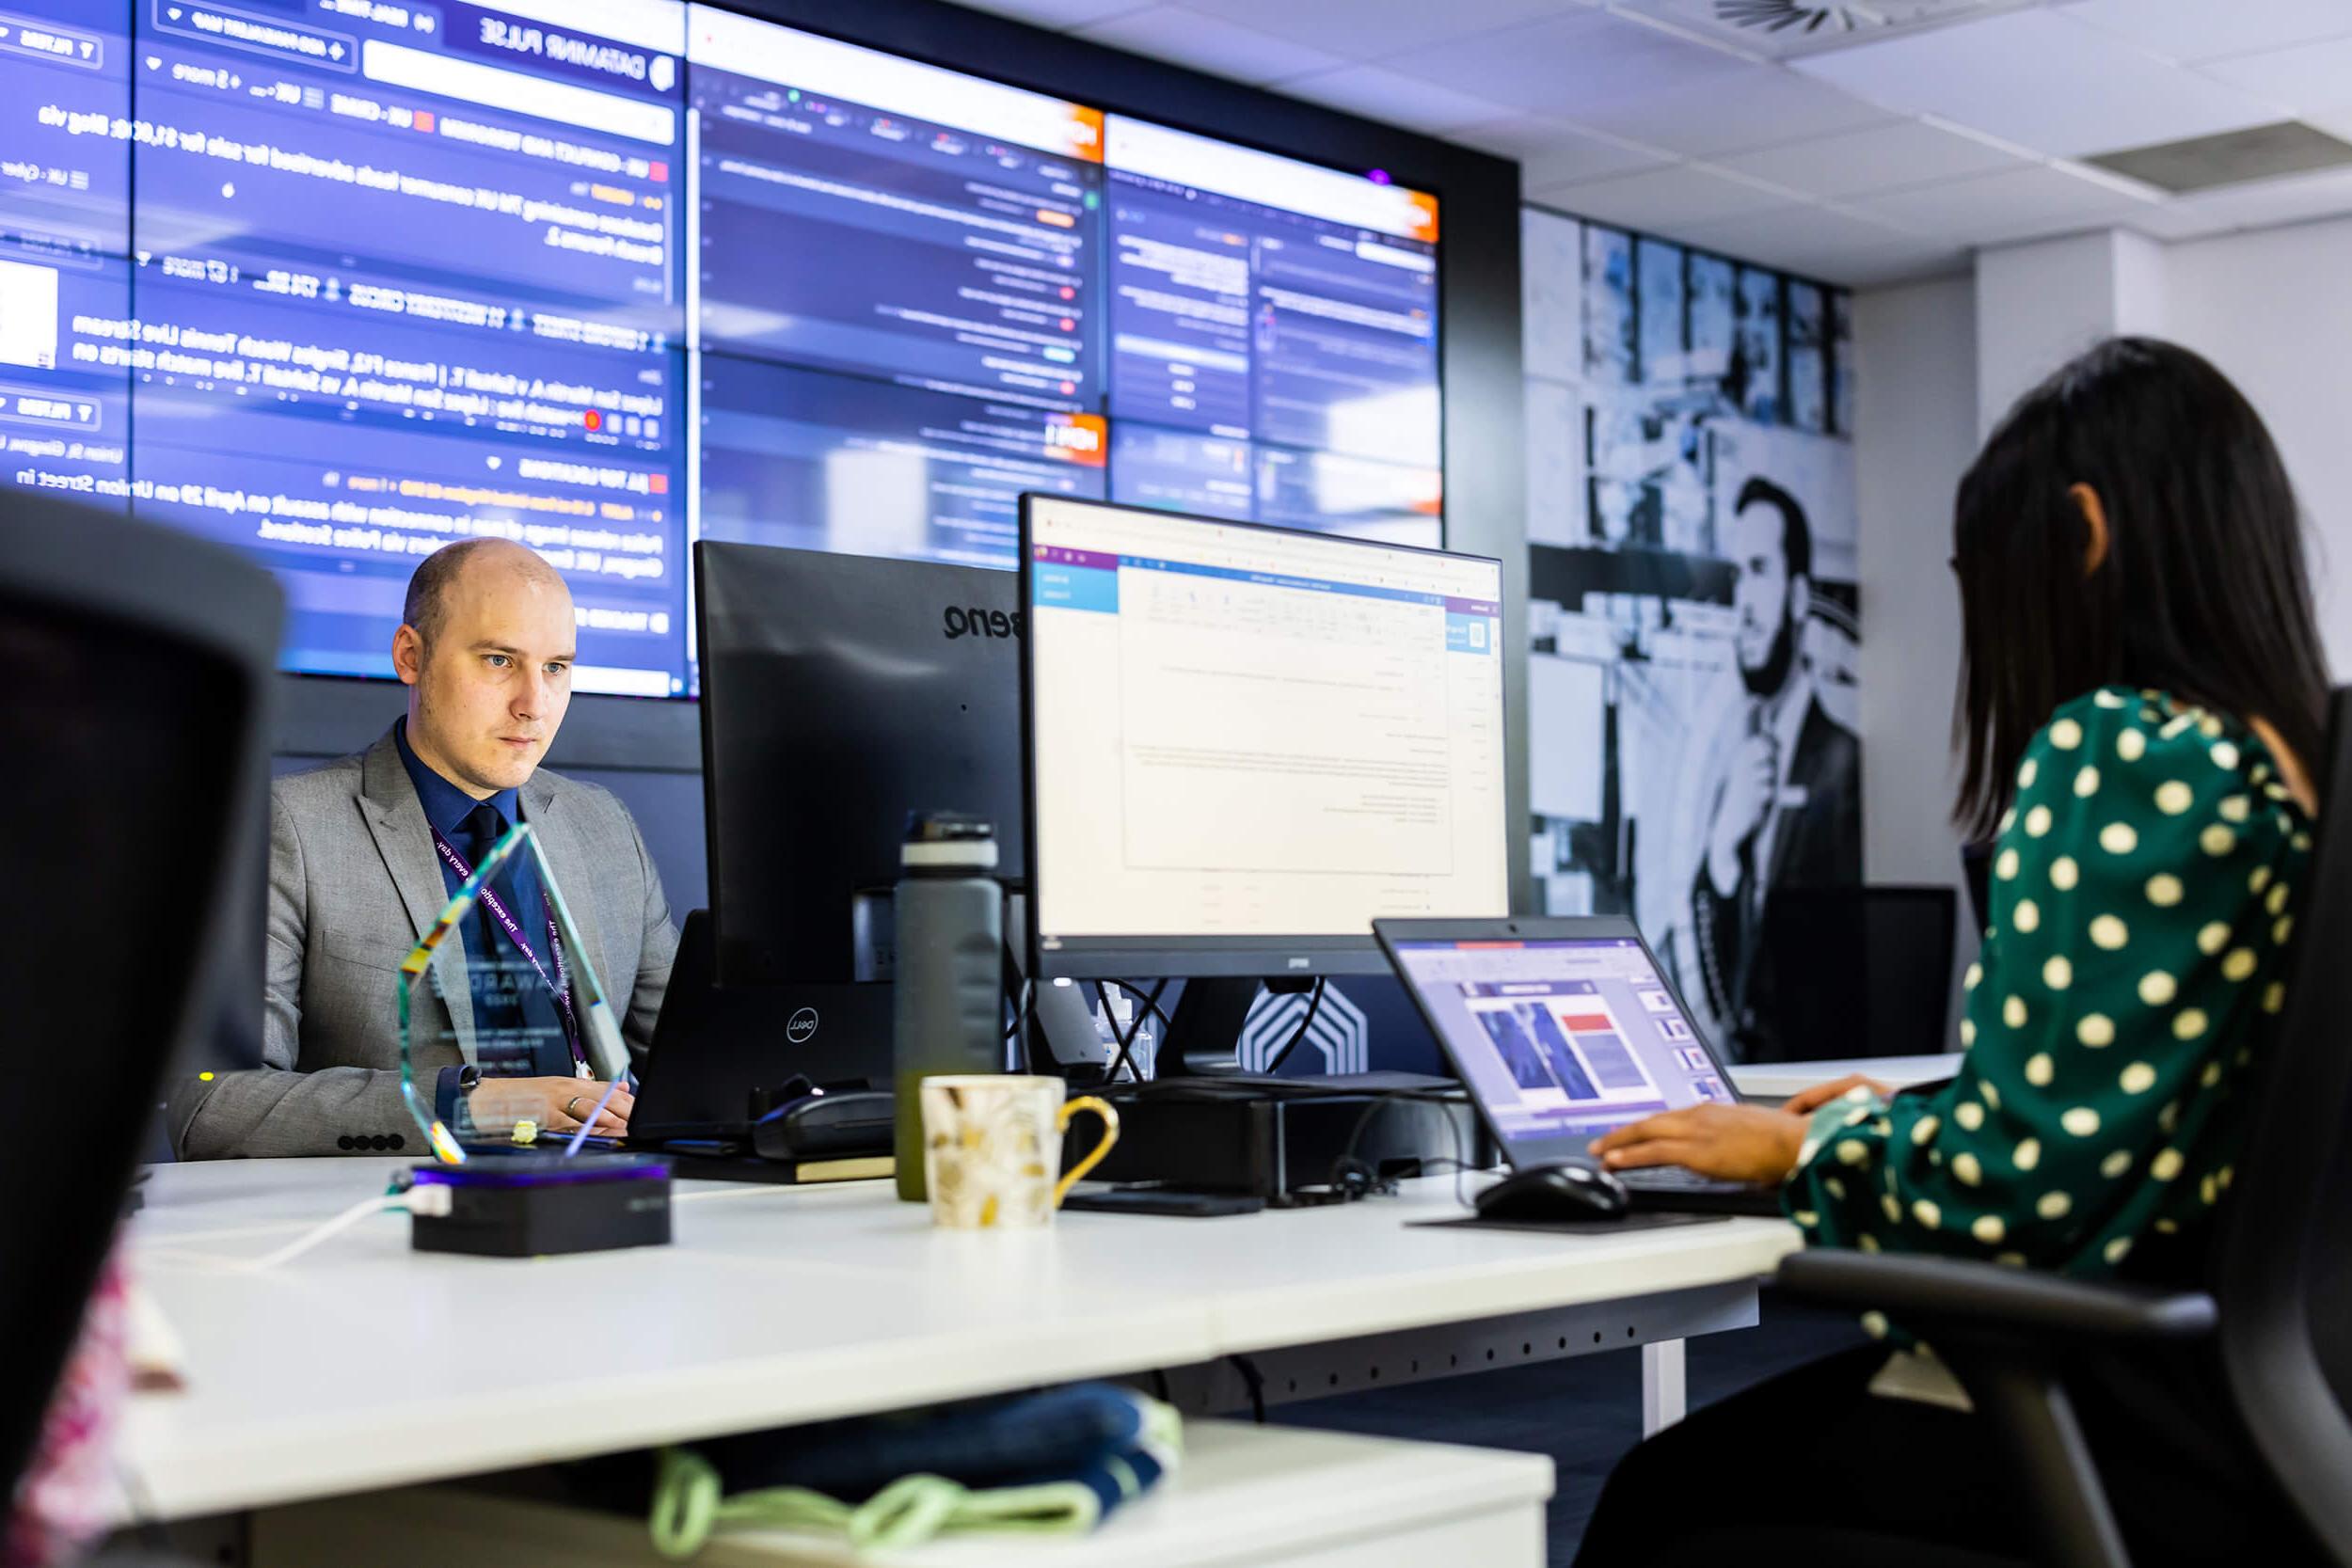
(136, 665)
(1861, 971)
(2278, 1312)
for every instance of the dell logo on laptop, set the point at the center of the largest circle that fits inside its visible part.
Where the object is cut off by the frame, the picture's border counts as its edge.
(956, 621)
(801, 1026)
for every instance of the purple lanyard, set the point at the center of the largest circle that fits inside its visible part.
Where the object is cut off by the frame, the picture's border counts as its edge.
(561, 983)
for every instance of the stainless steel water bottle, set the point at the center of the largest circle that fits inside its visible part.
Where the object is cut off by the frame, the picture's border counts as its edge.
(947, 1004)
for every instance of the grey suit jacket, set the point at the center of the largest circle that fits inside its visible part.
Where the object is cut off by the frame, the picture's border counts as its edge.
(354, 882)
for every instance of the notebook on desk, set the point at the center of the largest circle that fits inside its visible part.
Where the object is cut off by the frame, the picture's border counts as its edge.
(1562, 1029)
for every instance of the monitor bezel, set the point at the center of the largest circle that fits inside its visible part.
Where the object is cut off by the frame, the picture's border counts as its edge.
(1108, 957)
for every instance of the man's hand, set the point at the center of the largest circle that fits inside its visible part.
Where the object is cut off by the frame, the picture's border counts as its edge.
(555, 1103)
(1731, 1143)
(1805, 1102)
(1740, 810)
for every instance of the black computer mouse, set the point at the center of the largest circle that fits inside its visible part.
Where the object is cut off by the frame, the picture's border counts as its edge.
(1566, 1190)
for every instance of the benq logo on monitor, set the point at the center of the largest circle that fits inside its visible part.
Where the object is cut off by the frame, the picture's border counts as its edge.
(801, 1026)
(956, 622)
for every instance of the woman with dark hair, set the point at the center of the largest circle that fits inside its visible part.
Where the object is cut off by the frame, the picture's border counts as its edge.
(2142, 694)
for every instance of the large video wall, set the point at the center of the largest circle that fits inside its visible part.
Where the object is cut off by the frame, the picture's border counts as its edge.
(340, 281)
(1694, 624)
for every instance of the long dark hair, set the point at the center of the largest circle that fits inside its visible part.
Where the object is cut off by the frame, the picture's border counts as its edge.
(2203, 593)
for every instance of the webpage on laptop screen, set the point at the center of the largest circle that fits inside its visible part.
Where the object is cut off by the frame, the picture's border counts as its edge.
(1562, 1037)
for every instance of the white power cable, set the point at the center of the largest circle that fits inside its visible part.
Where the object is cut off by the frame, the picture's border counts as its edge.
(376, 1204)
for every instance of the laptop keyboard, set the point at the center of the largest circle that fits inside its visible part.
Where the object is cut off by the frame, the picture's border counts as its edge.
(1669, 1179)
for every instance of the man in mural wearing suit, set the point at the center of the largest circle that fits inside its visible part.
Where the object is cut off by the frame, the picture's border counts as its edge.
(1783, 806)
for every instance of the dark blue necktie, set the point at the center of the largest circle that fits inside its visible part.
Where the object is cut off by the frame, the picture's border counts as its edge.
(533, 1014)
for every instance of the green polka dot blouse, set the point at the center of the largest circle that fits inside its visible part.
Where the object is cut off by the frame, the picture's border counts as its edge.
(2143, 896)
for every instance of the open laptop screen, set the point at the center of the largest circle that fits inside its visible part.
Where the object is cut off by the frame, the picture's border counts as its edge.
(1560, 1041)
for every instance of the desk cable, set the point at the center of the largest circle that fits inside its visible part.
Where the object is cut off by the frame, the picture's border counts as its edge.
(397, 1200)
(1353, 1178)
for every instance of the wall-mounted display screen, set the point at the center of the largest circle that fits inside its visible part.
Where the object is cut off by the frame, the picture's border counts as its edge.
(340, 281)
(1274, 338)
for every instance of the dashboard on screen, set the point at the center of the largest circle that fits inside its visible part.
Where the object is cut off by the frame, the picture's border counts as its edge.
(340, 281)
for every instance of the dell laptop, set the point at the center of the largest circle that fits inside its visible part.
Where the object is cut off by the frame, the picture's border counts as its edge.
(1562, 1029)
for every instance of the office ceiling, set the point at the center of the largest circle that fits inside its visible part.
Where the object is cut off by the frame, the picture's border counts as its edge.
(1860, 141)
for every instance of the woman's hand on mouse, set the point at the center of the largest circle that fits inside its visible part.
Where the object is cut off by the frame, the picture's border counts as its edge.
(1731, 1143)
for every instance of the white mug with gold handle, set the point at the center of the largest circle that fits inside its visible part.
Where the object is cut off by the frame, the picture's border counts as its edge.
(992, 1144)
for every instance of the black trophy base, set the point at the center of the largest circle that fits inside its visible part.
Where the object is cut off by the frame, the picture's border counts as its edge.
(539, 1206)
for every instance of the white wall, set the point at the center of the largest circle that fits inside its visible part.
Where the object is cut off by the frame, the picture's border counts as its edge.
(2273, 308)
(1915, 434)
(2041, 303)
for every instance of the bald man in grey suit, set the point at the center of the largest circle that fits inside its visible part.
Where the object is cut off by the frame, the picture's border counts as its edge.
(360, 868)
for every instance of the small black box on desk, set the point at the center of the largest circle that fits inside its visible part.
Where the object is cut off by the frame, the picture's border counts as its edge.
(1269, 1136)
(538, 1205)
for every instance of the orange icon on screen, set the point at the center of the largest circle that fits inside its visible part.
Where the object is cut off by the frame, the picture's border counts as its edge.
(425, 119)
(1080, 438)
(593, 420)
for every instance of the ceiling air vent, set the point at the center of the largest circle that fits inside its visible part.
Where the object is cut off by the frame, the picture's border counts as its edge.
(1785, 29)
(2232, 158)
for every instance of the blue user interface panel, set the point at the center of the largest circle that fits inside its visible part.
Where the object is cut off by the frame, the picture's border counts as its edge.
(337, 282)
(1274, 339)
(65, 243)
(1560, 1038)
(895, 300)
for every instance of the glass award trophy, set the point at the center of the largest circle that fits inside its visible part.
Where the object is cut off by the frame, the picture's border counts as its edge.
(502, 1012)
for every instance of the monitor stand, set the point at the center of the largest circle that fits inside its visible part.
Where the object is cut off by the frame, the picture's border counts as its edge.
(1204, 1034)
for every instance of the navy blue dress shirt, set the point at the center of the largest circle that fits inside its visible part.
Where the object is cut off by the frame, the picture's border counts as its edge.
(519, 1030)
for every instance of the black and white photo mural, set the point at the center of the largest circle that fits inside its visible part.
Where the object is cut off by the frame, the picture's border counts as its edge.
(1694, 631)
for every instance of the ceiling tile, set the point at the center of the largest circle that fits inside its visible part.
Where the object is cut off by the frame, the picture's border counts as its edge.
(1057, 14)
(1370, 29)
(1378, 93)
(2208, 29)
(1809, 224)
(1987, 209)
(1884, 157)
(1755, 107)
(1551, 153)
(1580, 157)
(2296, 199)
(1569, 65)
(1901, 264)
(1205, 43)
(2035, 78)
(1662, 200)
(2174, 221)
(2310, 79)
(1806, 238)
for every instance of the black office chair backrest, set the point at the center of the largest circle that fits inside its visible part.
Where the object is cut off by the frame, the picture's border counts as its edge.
(1861, 971)
(2283, 1267)
(134, 670)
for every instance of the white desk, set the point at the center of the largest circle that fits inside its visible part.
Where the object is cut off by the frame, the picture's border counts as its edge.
(1778, 1080)
(363, 1365)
